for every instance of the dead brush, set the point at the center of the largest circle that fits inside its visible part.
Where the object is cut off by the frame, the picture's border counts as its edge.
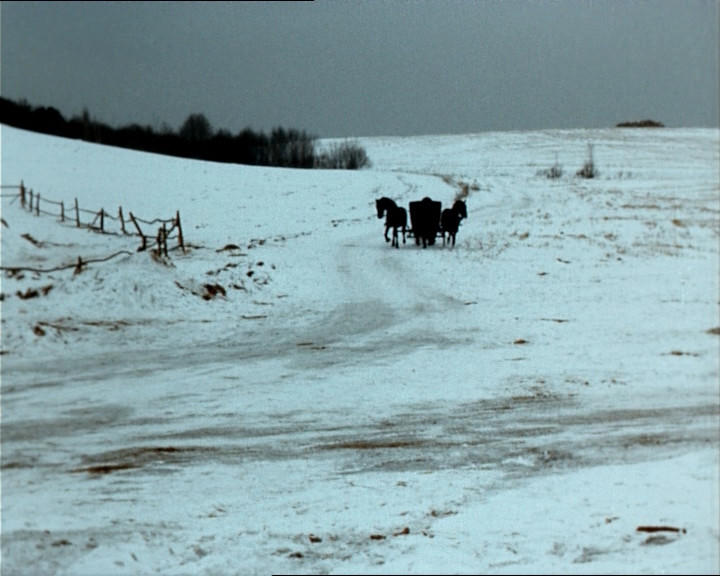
(588, 170)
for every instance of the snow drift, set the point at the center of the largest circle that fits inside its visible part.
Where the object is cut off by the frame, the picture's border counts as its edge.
(291, 394)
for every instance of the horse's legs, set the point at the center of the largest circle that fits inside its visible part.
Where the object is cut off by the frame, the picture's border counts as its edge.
(387, 228)
(403, 229)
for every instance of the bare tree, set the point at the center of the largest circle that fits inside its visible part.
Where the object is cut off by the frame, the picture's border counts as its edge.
(196, 128)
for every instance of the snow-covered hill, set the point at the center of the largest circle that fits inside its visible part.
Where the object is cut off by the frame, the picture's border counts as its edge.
(291, 394)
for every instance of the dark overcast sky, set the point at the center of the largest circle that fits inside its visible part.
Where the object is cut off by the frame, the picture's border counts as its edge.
(373, 67)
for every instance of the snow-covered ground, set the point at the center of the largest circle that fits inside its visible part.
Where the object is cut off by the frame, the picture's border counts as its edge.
(521, 403)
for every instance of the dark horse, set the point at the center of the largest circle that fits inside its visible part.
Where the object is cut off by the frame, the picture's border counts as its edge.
(396, 218)
(450, 220)
(425, 218)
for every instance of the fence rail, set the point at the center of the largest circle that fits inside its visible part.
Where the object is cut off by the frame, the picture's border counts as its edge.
(128, 226)
(78, 266)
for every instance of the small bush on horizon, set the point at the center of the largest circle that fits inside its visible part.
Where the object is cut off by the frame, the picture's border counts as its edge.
(344, 156)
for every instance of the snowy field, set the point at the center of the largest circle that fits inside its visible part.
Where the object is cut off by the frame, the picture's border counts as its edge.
(293, 395)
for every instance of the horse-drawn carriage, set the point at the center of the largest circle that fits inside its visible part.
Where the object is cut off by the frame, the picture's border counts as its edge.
(427, 218)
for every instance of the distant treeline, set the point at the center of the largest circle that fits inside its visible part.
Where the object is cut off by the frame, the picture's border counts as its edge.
(641, 124)
(195, 139)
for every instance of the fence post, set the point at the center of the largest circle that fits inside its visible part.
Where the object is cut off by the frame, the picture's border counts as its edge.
(181, 240)
(77, 214)
(162, 241)
(102, 220)
(22, 194)
(62, 211)
(144, 245)
(31, 200)
(122, 220)
(37, 205)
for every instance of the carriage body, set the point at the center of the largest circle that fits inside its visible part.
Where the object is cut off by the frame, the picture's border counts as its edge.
(425, 220)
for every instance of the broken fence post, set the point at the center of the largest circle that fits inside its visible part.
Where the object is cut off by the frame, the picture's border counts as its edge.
(122, 220)
(144, 244)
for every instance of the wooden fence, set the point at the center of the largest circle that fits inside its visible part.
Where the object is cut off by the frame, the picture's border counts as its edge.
(103, 221)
